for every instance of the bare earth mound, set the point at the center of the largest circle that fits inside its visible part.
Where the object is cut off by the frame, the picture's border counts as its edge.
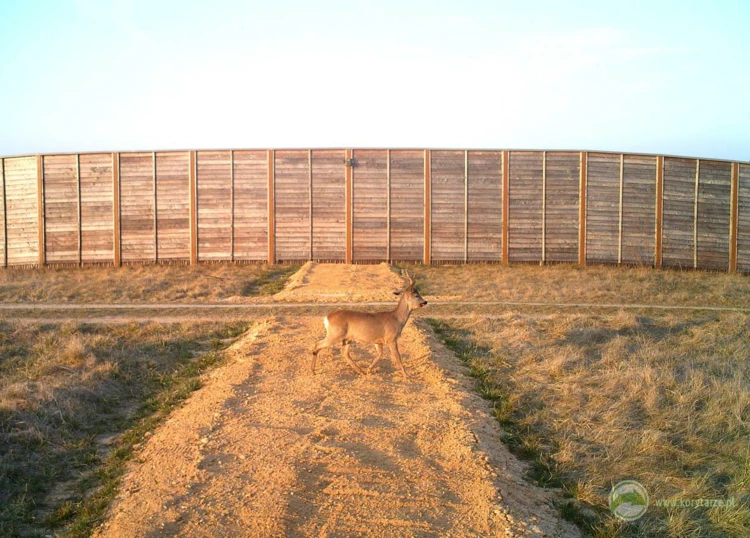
(267, 449)
(339, 282)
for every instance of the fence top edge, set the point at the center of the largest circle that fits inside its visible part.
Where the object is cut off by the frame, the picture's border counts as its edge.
(376, 148)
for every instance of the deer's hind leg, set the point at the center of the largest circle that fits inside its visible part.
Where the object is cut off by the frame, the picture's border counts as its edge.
(323, 344)
(347, 356)
(379, 349)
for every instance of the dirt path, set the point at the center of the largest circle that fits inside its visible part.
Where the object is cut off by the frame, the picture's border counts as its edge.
(267, 449)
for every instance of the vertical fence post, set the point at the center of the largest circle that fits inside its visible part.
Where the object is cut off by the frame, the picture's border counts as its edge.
(231, 196)
(544, 207)
(310, 193)
(466, 206)
(40, 206)
(5, 215)
(271, 163)
(388, 205)
(582, 208)
(193, 187)
(619, 211)
(506, 202)
(734, 217)
(116, 229)
(427, 258)
(349, 167)
(78, 181)
(156, 224)
(695, 214)
(659, 211)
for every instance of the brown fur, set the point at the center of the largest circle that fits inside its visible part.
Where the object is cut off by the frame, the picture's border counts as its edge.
(380, 328)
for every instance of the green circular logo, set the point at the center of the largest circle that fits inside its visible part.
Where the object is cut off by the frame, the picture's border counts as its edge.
(628, 500)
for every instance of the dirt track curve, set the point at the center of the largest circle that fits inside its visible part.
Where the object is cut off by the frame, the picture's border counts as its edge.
(267, 449)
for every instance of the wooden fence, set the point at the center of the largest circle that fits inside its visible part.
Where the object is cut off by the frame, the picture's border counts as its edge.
(371, 205)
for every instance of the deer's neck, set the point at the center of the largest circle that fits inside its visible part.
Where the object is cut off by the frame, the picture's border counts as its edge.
(402, 311)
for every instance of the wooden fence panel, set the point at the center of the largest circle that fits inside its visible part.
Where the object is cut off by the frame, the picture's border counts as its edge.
(21, 207)
(137, 207)
(250, 205)
(743, 219)
(173, 206)
(292, 197)
(328, 205)
(679, 207)
(561, 220)
(525, 211)
(714, 198)
(60, 209)
(3, 223)
(370, 206)
(638, 209)
(407, 205)
(485, 205)
(97, 241)
(214, 182)
(602, 208)
(448, 205)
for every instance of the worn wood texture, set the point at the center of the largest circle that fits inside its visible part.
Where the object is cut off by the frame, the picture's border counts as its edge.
(602, 208)
(561, 221)
(22, 213)
(251, 226)
(417, 205)
(447, 205)
(370, 206)
(714, 210)
(97, 199)
(137, 207)
(214, 182)
(407, 205)
(173, 205)
(678, 212)
(743, 219)
(525, 206)
(292, 205)
(60, 209)
(485, 211)
(638, 209)
(329, 231)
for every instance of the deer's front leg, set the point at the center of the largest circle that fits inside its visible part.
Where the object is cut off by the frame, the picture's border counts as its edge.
(393, 346)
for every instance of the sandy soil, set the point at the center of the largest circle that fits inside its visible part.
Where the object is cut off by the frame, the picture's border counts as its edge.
(267, 449)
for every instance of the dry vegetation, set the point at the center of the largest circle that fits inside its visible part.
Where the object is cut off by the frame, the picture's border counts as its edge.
(591, 396)
(595, 398)
(142, 283)
(67, 395)
(574, 284)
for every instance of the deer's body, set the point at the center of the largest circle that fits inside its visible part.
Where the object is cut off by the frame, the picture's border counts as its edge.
(379, 328)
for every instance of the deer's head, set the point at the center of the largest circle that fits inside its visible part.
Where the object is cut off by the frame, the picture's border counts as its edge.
(410, 294)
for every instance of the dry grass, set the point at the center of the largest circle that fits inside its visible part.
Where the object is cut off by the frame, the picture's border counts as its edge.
(67, 394)
(574, 284)
(143, 283)
(595, 398)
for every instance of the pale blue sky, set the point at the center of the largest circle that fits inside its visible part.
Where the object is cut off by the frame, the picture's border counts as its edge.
(656, 77)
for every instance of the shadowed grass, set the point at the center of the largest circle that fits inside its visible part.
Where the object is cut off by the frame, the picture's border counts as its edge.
(593, 399)
(75, 399)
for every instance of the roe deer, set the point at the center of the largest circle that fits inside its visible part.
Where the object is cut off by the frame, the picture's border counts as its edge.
(347, 326)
